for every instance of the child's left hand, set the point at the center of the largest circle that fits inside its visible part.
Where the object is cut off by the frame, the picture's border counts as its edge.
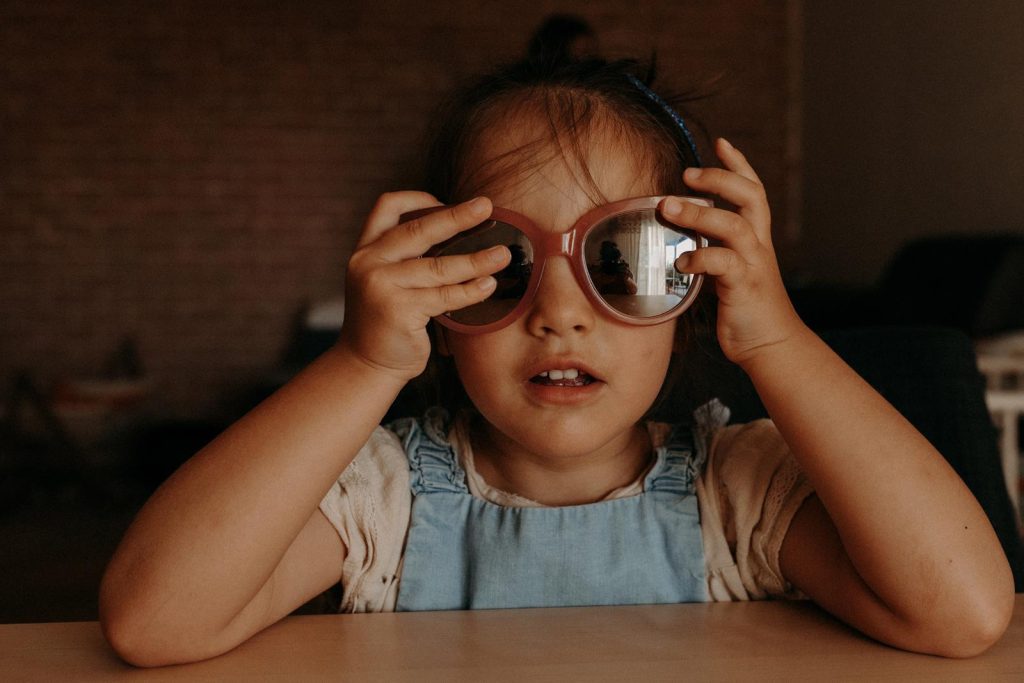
(754, 310)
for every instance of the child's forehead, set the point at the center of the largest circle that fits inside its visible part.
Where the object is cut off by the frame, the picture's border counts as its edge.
(514, 159)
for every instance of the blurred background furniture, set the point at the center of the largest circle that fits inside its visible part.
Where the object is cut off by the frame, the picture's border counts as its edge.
(975, 284)
(971, 283)
(1007, 408)
(1001, 361)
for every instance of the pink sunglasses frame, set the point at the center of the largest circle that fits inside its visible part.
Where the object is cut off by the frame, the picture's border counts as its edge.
(569, 244)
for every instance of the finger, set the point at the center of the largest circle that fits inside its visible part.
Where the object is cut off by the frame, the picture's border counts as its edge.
(738, 184)
(450, 270)
(735, 160)
(390, 205)
(725, 183)
(728, 227)
(415, 237)
(718, 261)
(440, 300)
(759, 213)
(747, 195)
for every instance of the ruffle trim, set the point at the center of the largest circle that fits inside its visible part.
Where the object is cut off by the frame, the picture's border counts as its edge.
(433, 466)
(681, 458)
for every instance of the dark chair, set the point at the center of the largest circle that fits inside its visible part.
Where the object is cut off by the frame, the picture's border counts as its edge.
(930, 375)
(973, 283)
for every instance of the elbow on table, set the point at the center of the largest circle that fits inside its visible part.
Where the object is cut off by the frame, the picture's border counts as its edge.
(972, 631)
(139, 641)
(127, 640)
(146, 648)
(129, 646)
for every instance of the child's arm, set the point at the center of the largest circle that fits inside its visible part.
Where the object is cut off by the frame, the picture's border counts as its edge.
(894, 543)
(233, 540)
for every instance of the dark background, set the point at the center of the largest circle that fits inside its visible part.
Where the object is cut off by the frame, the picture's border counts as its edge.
(180, 181)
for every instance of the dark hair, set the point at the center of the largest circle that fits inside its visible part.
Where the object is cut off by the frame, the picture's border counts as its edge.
(560, 39)
(573, 94)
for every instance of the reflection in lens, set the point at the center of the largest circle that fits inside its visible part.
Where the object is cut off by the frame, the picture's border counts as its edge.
(631, 261)
(512, 279)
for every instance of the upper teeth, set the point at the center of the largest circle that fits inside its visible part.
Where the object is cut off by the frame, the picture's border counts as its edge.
(571, 373)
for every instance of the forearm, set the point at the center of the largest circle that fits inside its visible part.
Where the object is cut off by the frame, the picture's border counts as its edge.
(912, 529)
(212, 535)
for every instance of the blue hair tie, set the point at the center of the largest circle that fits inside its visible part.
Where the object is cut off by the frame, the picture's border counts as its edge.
(670, 111)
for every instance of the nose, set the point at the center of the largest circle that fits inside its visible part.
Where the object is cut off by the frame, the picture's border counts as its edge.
(560, 307)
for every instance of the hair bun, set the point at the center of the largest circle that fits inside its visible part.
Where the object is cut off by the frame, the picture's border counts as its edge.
(561, 39)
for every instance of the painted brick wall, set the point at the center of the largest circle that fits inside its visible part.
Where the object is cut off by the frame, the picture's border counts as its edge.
(191, 173)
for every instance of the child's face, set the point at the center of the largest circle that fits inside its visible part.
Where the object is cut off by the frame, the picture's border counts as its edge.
(624, 364)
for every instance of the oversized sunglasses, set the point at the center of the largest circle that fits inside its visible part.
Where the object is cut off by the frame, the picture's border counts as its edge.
(622, 255)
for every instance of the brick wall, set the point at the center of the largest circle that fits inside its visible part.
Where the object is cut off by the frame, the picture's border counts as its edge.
(190, 174)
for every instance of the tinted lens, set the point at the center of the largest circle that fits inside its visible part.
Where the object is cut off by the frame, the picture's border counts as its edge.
(630, 258)
(512, 280)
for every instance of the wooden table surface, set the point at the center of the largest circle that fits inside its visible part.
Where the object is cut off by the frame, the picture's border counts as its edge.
(732, 641)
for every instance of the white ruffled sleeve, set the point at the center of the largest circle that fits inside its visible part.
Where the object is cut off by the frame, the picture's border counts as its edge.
(369, 506)
(749, 492)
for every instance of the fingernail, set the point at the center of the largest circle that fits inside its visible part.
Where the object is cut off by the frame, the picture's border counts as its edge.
(682, 262)
(486, 283)
(671, 207)
(477, 205)
(497, 253)
(726, 143)
(692, 173)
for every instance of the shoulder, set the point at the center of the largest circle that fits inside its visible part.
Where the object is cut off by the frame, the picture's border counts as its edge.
(752, 445)
(369, 507)
(754, 486)
(751, 468)
(380, 456)
(379, 472)
(433, 425)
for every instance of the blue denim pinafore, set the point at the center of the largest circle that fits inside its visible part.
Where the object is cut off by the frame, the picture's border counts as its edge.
(466, 553)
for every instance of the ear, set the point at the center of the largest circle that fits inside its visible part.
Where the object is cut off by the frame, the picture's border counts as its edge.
(440, 335)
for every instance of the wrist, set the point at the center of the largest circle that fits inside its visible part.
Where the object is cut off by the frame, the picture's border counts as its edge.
(357, 366)
(795, 346)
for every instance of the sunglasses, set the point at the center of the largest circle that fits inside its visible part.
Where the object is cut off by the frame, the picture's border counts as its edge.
(622, 255)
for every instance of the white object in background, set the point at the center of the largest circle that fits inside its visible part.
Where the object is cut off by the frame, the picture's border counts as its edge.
(1006, 344)
(1006, 408)
(1001, 360)
(326, 315)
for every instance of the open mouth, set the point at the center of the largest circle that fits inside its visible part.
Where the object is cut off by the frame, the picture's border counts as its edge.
(563, 378)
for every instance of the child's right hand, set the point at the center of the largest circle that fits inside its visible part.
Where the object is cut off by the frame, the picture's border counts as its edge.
(391, 292)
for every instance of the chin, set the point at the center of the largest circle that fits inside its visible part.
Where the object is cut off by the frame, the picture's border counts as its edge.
(565, 434)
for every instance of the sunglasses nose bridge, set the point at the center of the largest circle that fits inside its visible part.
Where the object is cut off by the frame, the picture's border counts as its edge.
(558, 245)
(567, 242)
(554, 245)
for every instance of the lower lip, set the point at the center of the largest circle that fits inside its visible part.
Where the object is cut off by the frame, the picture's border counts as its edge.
(556, 395)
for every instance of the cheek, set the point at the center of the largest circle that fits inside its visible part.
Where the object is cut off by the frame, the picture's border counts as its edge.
(474, 356)
(650, 350)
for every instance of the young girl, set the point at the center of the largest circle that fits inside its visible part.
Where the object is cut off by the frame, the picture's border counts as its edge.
(548, 486)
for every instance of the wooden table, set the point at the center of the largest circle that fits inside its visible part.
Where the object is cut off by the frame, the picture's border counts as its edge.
(733, 641)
